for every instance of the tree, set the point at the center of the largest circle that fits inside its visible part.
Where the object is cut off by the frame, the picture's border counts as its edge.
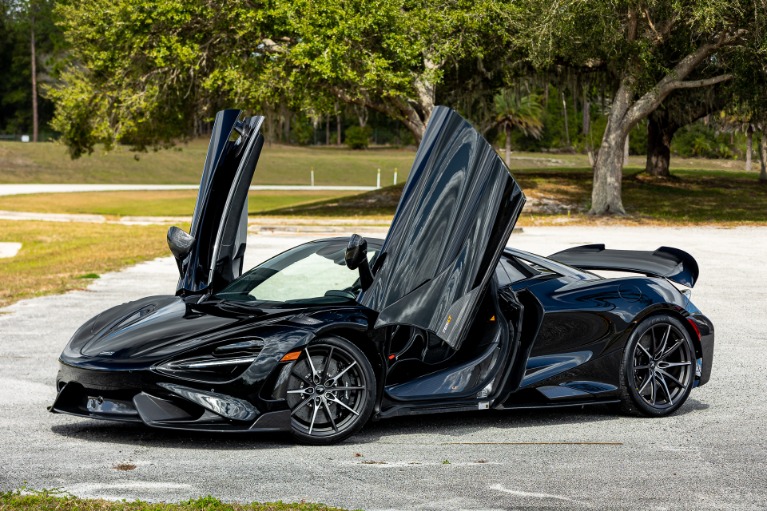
(514, 112)
(144, 72)
(649, 48)
(678, 110)
(30, 44)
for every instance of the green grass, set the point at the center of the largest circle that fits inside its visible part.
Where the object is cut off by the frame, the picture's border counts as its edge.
(691, 196)
(49, 163)
(59, 257)
(152, 203)
(285, 165)
(53, 500)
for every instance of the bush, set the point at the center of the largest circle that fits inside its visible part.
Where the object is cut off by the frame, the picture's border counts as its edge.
(700, 141)
(357, 137)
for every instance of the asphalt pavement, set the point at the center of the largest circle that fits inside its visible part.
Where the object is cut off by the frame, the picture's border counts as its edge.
(712, 454)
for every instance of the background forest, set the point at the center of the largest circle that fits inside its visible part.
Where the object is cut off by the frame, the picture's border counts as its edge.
(606, 79)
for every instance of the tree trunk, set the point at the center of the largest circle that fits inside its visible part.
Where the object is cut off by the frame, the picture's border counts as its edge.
(659, 135)
(608, 167)
(507, 132)
(763, 157)
(564, 113)
(34, 81)
(327, 130)
(586, 126)
(626, 150)
(749, 146)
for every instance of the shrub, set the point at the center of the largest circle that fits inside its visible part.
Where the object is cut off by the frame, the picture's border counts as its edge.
(357, 137)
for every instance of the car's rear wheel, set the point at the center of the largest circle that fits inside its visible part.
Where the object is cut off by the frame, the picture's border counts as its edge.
(658, 367)
(330, 391)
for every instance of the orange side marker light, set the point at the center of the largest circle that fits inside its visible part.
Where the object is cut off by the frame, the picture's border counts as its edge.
(291, 356)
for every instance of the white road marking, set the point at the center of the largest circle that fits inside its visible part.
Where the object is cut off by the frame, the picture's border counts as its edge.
(534, 495)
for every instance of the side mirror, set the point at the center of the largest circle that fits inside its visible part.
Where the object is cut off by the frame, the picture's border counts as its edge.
(357, 257)
(180, 243)
(356, 251)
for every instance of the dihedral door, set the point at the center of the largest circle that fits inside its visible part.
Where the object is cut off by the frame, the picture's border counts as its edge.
(455, 216)
(219, 223)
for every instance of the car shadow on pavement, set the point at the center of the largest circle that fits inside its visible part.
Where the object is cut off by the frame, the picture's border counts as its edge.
(445, 424)
(138, 434)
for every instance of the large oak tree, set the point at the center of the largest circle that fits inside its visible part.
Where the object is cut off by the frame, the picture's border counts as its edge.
(650, 48)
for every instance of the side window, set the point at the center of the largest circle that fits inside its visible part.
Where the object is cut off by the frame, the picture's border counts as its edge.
(533, 268)
(508, 273)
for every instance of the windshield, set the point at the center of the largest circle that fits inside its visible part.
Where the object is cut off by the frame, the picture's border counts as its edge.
(314, 273)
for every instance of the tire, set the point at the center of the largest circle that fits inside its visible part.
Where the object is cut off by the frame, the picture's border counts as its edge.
(331, 392)
(658, 367)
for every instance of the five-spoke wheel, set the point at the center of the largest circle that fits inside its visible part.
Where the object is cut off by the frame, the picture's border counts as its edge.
(331, 391)
(658, 369)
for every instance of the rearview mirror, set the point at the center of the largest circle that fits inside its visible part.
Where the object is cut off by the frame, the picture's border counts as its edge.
(356, 256)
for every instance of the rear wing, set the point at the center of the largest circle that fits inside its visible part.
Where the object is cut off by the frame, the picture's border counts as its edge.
(671, 263)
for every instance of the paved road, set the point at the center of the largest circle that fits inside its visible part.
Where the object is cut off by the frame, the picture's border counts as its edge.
(711, 455)
(19, 189)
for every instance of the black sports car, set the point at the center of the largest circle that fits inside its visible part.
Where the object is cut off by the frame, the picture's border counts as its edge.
(438, 317)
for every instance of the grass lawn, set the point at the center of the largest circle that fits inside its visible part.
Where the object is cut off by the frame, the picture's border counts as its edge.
(284, 165)
(152, 203)
(45, 500)
(58, 257)
(49, 163)
(690, 197)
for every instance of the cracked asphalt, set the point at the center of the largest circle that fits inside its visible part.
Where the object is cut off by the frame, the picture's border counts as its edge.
(712, 454)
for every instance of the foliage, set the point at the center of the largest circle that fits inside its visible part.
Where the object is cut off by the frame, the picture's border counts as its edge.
(648, 48)
(699, 140)
(520, 113)
(357, 137)
(147, 73)
(16, 20)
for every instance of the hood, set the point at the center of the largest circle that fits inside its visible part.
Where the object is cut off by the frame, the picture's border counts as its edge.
(210, 256)
(456, 213)
(154, 328)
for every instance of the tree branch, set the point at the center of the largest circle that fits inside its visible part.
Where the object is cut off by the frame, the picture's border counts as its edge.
(705, 82)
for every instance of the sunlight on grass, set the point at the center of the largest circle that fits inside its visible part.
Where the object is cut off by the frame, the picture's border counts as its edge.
(151, 203)
(28, 500)
(58, 257)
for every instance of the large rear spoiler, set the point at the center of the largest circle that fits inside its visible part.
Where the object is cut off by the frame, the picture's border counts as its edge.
(671, 263)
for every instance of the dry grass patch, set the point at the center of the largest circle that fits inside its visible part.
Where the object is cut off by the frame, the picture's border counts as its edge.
(59, 257)
(153, 202)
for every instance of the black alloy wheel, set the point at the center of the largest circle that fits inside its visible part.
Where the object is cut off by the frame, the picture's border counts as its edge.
(658, 368)
(330, 391)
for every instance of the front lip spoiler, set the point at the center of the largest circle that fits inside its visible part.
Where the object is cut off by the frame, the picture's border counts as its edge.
(157, 412)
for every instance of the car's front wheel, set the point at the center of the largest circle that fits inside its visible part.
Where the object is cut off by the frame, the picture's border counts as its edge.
(330, 391)
(658, 368)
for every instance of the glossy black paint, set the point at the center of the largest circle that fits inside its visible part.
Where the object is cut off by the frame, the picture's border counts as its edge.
(455, 215)
(671, 263)
(219, 223)
(525, 330)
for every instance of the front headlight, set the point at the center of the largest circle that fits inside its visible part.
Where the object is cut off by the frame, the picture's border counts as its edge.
(214, 364)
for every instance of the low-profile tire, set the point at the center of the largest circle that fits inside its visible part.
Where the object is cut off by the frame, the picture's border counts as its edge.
(330, 391)
(658, 367)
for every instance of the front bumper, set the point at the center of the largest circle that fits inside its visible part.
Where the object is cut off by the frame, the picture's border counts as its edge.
(145, 397)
